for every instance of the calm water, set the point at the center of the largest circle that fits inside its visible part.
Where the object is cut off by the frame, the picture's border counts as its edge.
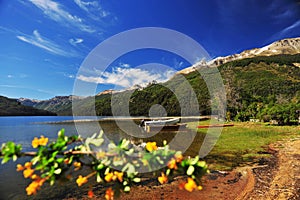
(23, 129)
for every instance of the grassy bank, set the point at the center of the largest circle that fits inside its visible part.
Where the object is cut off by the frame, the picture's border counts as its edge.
(244, 143)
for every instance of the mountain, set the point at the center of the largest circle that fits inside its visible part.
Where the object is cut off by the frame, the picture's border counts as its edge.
(287, 46)
(62, 105)
(28, 102)
(11, 107)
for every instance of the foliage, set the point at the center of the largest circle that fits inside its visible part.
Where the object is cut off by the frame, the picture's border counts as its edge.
(121, 164)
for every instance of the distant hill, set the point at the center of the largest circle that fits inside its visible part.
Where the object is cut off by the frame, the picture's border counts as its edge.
(264, 87)
(11, 107)
(62, 105)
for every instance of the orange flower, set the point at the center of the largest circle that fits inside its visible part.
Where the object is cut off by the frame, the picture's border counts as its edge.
(190, 185)
(163, 178)
(81, 180)
(35, 185)
(28, 165)
(77, 164)
(34, 176)
(109, 177)
(41, 181)
(28, 172)
(119, 175)
(32, 188)
(90, 194)
(181, 185)
(178, 158)
(39, 142)
(109, 194)
(172, 164)
(20, 167)
(151, 146)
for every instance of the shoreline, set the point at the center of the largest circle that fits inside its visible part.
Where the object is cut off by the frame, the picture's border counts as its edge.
(122, 118)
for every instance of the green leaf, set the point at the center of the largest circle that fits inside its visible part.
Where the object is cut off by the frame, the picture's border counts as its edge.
(52, 182)
(57, 171)
(61, 133)
(190, 170)
(165, 142)
(168, 172)
(194, 160)
(118, 162)
(126, 189)
(107, 171)
(201, 164)
(159, 160)
(59, 160)
(5, 159)
(136, 180)
(15, 157)
(98, 178)
(100, 166)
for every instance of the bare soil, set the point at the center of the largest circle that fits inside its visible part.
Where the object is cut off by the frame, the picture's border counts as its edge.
(274, 178)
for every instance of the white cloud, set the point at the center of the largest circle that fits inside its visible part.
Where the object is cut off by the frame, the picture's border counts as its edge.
(286, 31)
(93, 8)
(37, 40)
(75, 41)
(9, 76)
(55, 11)
(289, 28)
(128, 77)
(124, 65)
(85, 5)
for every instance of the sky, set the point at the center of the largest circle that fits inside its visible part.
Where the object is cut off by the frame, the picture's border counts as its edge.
(44, 43)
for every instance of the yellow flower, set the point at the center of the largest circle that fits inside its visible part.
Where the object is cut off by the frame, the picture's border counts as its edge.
(109, 194)
(109, 177)
(190, 185)
(163, 178)
(81, 180)
(199, 187)
(39, 142)
(119, 175)
(172, 164)
(28, 172)
(20, 167)
(43, 141)
(35, 142)
(151, 146)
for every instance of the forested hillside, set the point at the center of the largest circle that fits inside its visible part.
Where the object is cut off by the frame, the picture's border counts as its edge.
(11, 107)
(266, 87)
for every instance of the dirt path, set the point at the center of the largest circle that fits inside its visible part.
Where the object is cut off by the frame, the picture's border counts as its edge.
(280, 180)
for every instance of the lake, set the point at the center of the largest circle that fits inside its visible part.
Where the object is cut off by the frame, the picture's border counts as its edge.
(22, 130)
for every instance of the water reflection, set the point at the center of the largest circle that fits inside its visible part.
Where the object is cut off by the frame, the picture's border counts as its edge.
(12, 183)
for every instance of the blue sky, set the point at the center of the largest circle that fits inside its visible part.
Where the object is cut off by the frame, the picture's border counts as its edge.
(44, 42)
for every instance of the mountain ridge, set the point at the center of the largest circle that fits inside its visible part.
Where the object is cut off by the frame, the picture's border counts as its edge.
(288, 46)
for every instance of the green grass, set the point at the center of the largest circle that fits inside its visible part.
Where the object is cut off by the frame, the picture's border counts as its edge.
(244, 143)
